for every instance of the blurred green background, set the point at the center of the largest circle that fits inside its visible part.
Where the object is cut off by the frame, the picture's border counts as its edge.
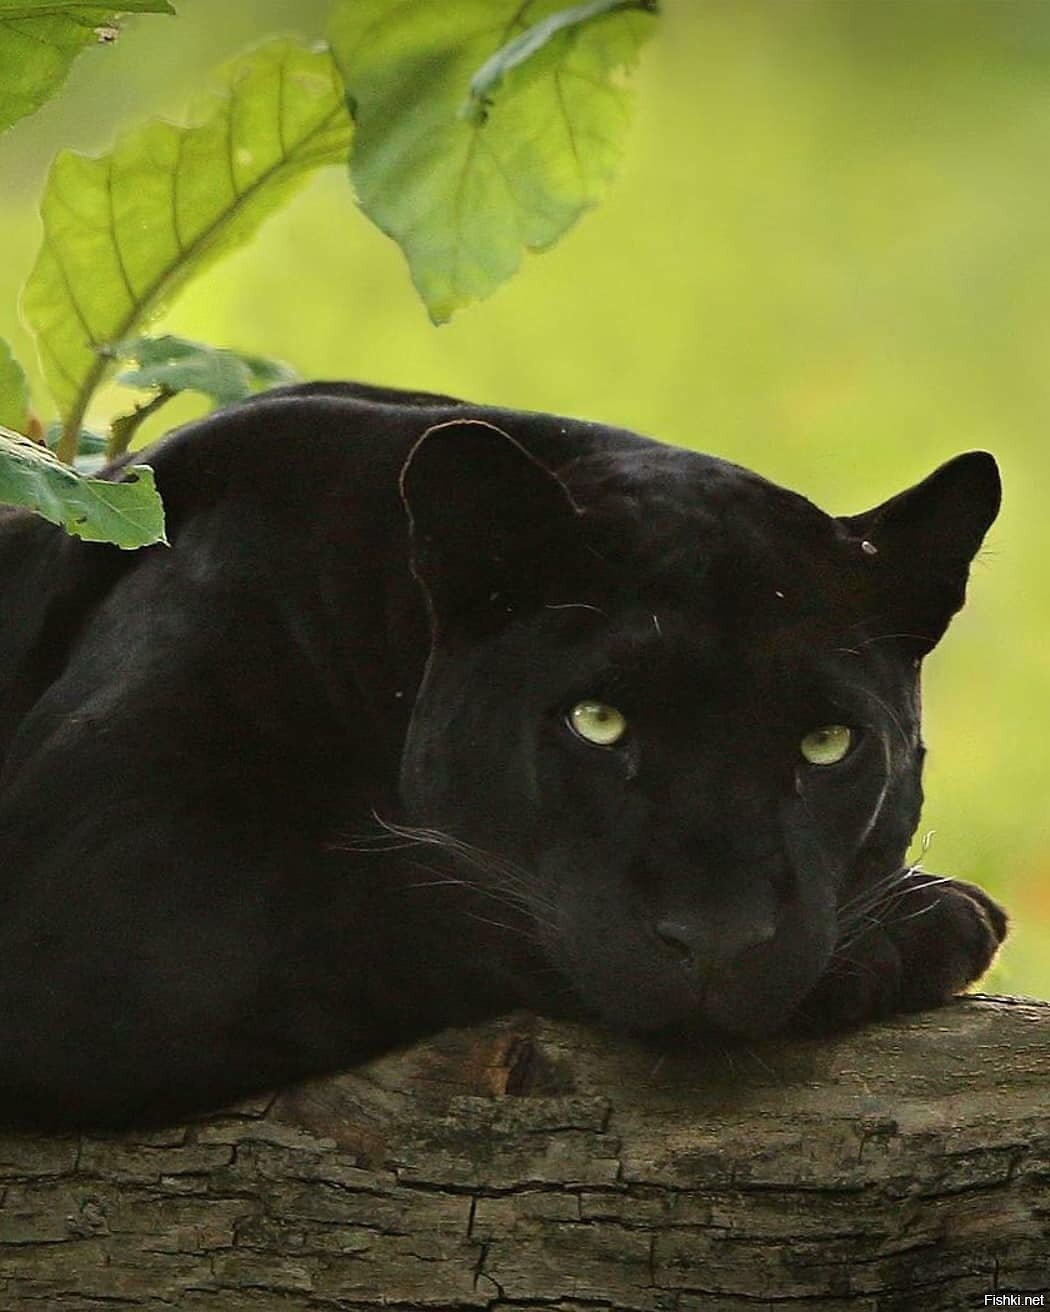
(826, 258)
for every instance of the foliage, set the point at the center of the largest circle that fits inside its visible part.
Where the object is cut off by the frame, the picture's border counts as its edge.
(39, 39)
(463, 195)
(127, 513)
(122, 233)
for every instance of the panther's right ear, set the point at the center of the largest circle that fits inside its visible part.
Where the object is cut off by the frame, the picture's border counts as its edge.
(492, 529)
(921, 543)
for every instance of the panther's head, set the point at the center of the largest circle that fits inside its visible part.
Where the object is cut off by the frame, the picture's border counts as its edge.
(677, 706)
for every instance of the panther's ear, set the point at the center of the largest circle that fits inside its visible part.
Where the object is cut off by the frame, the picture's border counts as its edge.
(921, 542)
(491, 528)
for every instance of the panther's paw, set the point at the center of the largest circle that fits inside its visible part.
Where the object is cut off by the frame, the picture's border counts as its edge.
(922, 945)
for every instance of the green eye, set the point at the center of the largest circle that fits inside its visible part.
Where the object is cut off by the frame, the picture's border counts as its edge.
(826, 745)
(597, 723)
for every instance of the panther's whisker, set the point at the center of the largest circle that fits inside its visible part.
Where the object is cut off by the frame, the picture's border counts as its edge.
(859, 919)
(894, 893)
(875, 890)
(913, 915)
(510, 901)
(895, 637)
(520, 930)
(515, 896)
(512, 879)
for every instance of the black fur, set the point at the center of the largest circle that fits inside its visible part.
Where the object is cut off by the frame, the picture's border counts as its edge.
(301, 787)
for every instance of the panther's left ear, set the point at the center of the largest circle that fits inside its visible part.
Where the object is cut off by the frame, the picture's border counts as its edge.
(920, 545)
(491, 527)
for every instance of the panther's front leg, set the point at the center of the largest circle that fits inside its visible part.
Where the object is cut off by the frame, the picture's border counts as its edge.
(911, 944)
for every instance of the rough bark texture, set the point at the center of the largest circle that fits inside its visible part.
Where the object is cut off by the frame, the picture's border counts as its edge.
(531, 1165)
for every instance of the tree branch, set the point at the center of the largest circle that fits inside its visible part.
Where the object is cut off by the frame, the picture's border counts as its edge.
(529, 1164)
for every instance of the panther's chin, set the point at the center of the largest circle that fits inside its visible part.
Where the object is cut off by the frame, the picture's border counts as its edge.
(731, 1013)
(718, 1018)
(742, 1002)
(756, 999)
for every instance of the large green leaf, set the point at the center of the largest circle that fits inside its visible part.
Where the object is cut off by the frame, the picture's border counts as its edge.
(14, 391)
(39, 39)
(128, 514)
(464, 194)
(122, 233)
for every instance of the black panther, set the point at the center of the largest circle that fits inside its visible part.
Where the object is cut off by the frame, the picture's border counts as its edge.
(431, 711)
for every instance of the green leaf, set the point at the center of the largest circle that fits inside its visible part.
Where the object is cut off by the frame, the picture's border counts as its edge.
(464, 196)
(14, 391)
(178, 365)
(39, 39)
(124, 232)
(128, 514)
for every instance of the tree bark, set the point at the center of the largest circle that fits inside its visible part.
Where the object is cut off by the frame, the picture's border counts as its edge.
(528, 1164)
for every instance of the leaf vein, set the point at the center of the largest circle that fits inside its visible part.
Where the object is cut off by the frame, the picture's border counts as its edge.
(231, 163)
(570, 131)
(281, 84)
(78, 309)
(176, 173)
(115, 235)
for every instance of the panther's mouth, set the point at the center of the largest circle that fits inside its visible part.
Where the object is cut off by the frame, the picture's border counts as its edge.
(743, 972)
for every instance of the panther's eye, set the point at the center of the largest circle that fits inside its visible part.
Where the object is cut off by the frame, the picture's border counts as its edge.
(826, 745)
(597, 723)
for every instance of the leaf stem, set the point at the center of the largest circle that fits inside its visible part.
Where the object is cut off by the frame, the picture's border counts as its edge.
(124, 427)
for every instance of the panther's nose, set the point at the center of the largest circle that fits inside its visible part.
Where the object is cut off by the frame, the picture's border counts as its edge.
(703, 943)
